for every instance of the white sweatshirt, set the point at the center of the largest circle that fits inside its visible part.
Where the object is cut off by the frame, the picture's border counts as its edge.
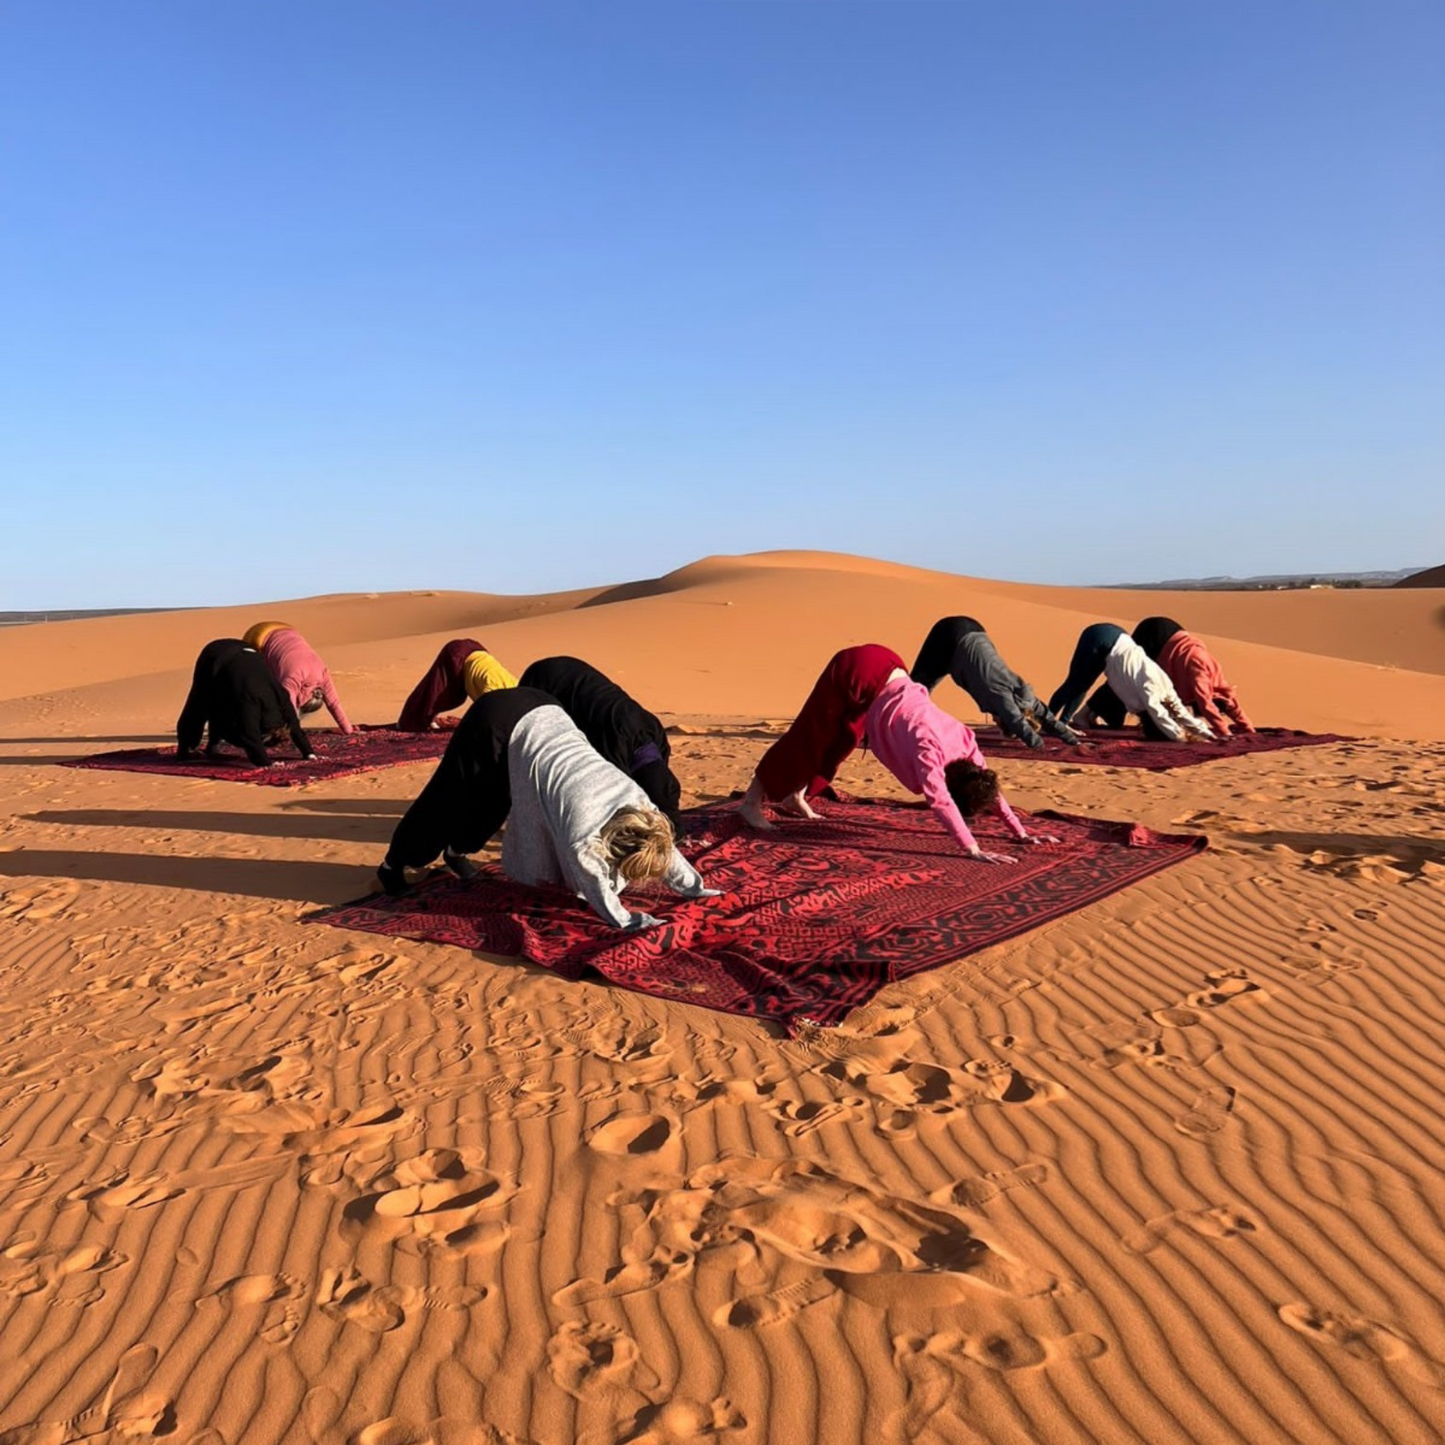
(1144, 688)
(563, 792)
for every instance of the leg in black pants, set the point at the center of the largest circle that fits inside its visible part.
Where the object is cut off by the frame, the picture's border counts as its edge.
(1107, 707)
(195, 715)
(469, 796)
(1084, 668)
(935, 658)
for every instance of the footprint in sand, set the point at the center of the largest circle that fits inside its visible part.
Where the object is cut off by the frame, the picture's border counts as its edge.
(682, 1422)
(347, 1295)
(1128, 1042)
(345, 1133)
(588, 1359)
(38, 902)
(1209, 1114)
(633, 1135)
(710, 1088)
(69, 1278)
(275, 1296)
(799, 1118)
(772, 1307)
(1005, 1349)
(112, 1197)
(1224, 987)
(1365, 1339)
(783, 1215)
(393, 1430)
(1008, 1085)
(1222, 1221)
(1175, 1017)
(935, 1367)
(973, 1193)
(516, 1099)
(620, 1043)
(128, 1410)
(434, 1198)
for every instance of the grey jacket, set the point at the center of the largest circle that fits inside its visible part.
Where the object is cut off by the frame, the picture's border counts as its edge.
(563, 792)
(1001, 692)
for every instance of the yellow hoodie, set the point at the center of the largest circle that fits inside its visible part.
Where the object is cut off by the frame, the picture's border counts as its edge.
(481, 672)
(256, 634)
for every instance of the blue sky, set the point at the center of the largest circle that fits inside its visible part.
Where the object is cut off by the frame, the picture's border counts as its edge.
(302, 297)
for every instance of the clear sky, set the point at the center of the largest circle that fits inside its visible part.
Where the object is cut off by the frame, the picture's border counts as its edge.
(302, 296)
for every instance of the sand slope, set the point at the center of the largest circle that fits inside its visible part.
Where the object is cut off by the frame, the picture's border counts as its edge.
(1167, 1171)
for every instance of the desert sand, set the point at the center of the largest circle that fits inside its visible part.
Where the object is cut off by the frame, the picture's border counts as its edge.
(262, 1181)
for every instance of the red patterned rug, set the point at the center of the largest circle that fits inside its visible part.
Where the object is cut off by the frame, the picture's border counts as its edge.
(337, 755)
(815, 918)
(1129, 748)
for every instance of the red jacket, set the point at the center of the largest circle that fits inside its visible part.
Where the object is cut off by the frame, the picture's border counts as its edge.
(1199, 681)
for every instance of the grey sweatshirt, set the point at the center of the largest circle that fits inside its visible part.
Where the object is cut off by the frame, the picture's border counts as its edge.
(563, 792)
(1001, 692)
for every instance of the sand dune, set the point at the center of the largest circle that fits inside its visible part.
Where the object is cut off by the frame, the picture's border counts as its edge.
(1166, 1171)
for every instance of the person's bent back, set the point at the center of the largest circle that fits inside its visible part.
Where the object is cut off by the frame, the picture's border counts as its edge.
(579, 821)
(960, 648)
(615, 723)
(463, 671)
(236, 698)
(1200, 682)
(299, 670)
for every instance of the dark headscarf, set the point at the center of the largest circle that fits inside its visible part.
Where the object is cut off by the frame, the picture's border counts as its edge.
(1153, 632)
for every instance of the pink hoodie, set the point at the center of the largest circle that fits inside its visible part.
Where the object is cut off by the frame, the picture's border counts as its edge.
(915, 740)
(301, 672)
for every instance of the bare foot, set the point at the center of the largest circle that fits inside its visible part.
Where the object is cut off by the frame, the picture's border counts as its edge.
(754, 814)
(798, 805)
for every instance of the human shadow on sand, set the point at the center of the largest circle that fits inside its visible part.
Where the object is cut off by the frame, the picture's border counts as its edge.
(278, 879)
(1408, 853)
(77, 739)
(356, 828)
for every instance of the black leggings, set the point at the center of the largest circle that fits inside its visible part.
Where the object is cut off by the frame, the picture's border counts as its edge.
(1111, 711)
(460, 809)
(1084, 668)
(470, 794)
(935, 658)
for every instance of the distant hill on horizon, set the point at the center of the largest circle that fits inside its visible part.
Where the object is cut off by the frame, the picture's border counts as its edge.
(1282, 581)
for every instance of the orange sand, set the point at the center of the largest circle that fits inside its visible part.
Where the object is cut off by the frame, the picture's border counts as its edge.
(260, 1182)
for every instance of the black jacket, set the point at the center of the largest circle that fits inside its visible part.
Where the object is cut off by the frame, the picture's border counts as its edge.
(236, 698)
(620, 728)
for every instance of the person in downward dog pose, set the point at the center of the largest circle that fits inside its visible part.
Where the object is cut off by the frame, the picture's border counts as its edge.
(1138, 683)
(463, 670)
(958, 647)
(235, 698)
(621, 729)
(298, 669)
(468, 796)
(579, 821)
(1192, 668)
(803, 762)
(865, 691)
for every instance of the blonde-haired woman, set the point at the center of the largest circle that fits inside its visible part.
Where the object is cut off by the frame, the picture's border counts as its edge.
(580, 822)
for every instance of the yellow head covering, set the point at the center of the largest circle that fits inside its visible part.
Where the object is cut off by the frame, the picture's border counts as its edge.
(258, 633)
(481, 672)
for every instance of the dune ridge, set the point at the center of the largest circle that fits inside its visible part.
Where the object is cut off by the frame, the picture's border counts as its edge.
(1166, 1171)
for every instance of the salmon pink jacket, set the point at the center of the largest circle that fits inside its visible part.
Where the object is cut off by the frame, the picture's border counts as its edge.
(1200, 683)
(301, 672)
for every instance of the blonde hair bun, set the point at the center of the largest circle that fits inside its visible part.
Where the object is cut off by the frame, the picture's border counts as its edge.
(638, 843)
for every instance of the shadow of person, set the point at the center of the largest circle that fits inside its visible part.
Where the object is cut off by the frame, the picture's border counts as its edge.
(277, 879)
(344, 827)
